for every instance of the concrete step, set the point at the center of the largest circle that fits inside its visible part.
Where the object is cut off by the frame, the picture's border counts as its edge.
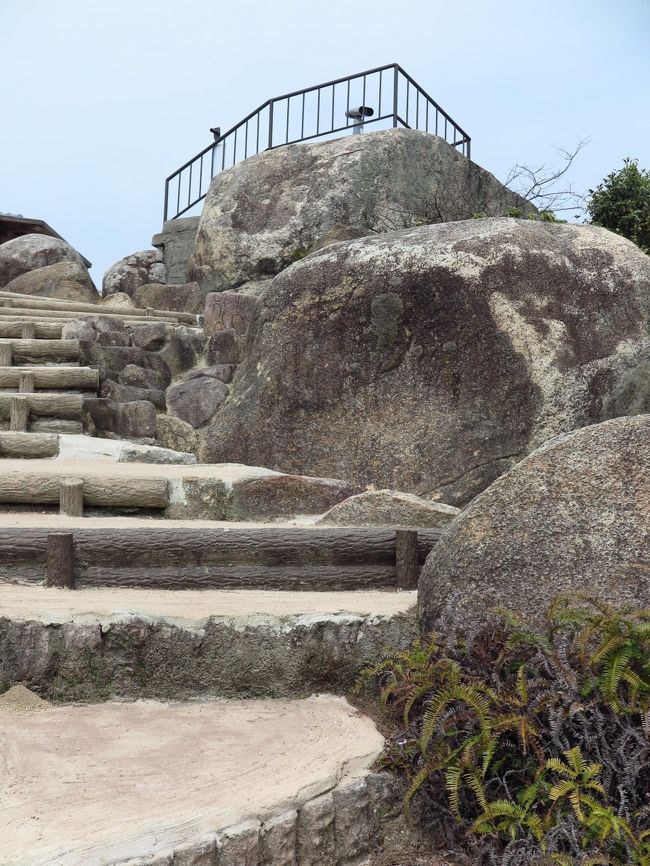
(252, 783)
(167, 644)
(83, 378)
(34, 303)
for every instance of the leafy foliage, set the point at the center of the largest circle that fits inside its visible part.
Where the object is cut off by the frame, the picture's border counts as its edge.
(621, 203)
(528, 748)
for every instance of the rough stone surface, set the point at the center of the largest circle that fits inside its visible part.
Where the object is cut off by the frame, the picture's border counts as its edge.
(284, 496)
(431, 360)
(267, 212)
(222, 348)
(119, 300)
(113, 338)
(574, 516)
(149, 337)
(183, 350)
(120, 393)
(67, 281)
(133, 271)
(229, 310)
(135, 419)
(196, 400)
(223, 372)
(28, 252)
(176, 434)
(316, 841)
(80, 330)
(389, 508)
(186, 298)
(176, 241)
(138, 377)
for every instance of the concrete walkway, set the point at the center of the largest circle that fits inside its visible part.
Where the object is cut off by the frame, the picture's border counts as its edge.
(109, 783)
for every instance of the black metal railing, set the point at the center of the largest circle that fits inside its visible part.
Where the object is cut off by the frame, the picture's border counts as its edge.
(387, 95)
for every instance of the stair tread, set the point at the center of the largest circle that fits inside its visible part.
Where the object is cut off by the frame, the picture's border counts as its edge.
(172, 773)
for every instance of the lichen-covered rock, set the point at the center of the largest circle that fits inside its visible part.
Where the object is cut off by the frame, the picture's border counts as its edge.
(176, 434)
(229, 310)
(268, 211)
(133, 271)
(274, 496)
(187, 298)
(29, 252)
(389, 508)
(66, 281)
(222, 348)
(574, 516)
(431, 360)
(196, 400)
(149, 337)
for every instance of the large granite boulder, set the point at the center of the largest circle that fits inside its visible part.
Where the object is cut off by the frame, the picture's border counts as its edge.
(28, 252)
(574, 516)
(431, 360)
(66, 281)
(133, 271)
(187, 298)
(269, 211)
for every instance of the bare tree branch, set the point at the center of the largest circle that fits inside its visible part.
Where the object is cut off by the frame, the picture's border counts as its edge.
(543, 185)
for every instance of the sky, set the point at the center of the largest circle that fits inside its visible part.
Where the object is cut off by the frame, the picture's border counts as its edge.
(101, 99)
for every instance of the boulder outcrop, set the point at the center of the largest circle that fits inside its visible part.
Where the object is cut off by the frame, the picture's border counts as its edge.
(431, 360)
(29, 252)
(133, 271)
(270, 210)
(574, 516)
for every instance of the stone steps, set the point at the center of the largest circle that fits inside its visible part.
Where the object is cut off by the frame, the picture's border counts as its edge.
(254, 783)
(180, 644)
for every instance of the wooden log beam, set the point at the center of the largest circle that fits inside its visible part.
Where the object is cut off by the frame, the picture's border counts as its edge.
(28, 486)
(43, 330)
(28, 445)
(50, 405)
(71, 501)
(60, 560)
(51, 350)
(33, 302)
(86, 378)
(407, 564)
(17, 409)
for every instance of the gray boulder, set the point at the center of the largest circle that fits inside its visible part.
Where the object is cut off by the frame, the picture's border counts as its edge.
(149, 337)
(196, 400)
(187, 298)
(67, 281)
(389, 508)
(29, 252)
(134, 420)
(574, 516)
(229, 310)
(268, 211)
(176, 434)
(431, 360)
(283, 496)
(133, 271)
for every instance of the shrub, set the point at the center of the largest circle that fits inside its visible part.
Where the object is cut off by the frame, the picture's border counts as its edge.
(621, 203)
(523, 748)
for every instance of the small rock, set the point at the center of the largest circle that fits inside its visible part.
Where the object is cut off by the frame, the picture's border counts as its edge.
(112, 338)
(276, 496)
(223, 372)
(149, 337)
(127, 393)
(389, 508)
(139, 377)
(105, 324)
(197, 400)
(176, 434)
(79, 329)
(119, 300)
(183, 350)
(222, 348)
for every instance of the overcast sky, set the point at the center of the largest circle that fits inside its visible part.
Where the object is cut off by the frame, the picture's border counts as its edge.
(101, 99)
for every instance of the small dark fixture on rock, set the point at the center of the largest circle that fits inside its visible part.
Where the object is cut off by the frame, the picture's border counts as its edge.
(359, 114)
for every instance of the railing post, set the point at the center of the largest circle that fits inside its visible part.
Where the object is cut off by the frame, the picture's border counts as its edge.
(395, 84)
(270, 125)
(166, 201)
(469, 145)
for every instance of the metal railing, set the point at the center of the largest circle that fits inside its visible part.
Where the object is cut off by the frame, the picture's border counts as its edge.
(388, 92)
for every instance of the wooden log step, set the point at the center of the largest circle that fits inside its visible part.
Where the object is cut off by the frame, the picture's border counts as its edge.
(28, 445)
(56, 425)
(51, 350)
(38, 302)
(42, 330)
(50, 405)
(9, 313)
(25, 486)
(86, 378)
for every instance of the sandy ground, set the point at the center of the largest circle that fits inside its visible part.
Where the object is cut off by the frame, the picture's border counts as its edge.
(100, 783)
(50, 605)
(51, 519)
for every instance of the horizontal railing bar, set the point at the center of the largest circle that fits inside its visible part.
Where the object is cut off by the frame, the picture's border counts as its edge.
(335, 81)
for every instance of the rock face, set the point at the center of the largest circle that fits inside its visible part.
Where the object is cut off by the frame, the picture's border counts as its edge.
(389, 508)
(133, 271)
(187, 298)
(433, 359)
(28, 252)
(67, 281)
(196, 400)
(270, 210)
(573, 516)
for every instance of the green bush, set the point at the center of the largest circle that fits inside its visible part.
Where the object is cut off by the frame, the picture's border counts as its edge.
(621, 203)
(524, 748)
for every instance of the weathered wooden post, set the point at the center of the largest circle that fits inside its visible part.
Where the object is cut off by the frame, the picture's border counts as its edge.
(5, 355)
(26, 382)
(60, 560)
(28, 331)
(71, 497)
(407, 565)
(19, 413)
